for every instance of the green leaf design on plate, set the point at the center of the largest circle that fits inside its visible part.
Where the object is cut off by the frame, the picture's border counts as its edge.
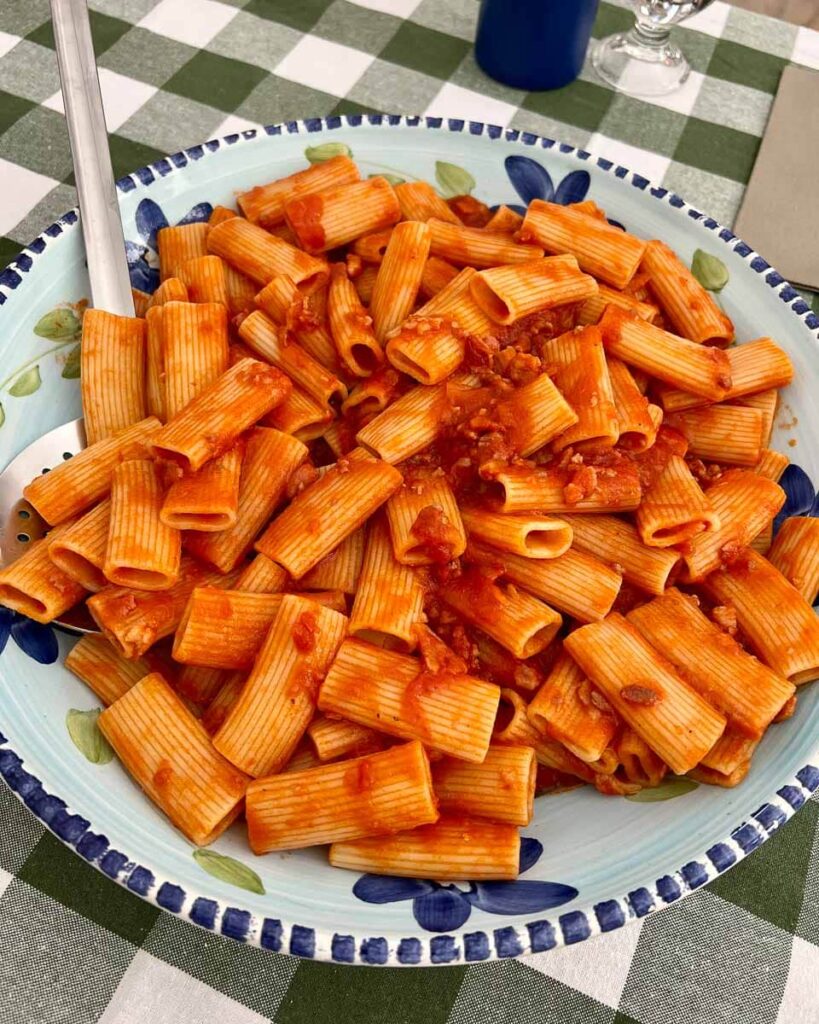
(2, 415)
(71, 369)
(229, 870)
(86, 736)
(709, 270)
(453, 180)
(671, 787)
(27, 383)
(326, 151)
(393, 179)
(58, 325)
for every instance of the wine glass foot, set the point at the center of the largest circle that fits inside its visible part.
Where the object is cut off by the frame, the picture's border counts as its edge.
(639, 70)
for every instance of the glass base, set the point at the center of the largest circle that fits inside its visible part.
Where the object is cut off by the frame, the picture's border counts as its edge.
(637, 69)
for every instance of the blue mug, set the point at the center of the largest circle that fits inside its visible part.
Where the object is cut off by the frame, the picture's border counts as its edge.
(534, 44)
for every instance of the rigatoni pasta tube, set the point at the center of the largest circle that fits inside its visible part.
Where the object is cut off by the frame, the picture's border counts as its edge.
(519, 622)
(270, 458)
(371, 795)
(279, 698)
(198, 685)
(504, 219)
(731, 750)
(699, 369)
(722, 433)
(514, 726)
(638, 761)
(475, 247)
(744, 503)
(270, 342)
(264, 204)
(213, 421)
(94, 660)
(133, 620)
(674, 508)
(501, 788)
(604, 251)
(171, 757)
(576, 583)
(339, 503)
(581, 489)
(568, 709)
(427, 348)
(84, 479)
(179, 244)
(779, 623)
(594, 307)
(452, 848)
(389, 600)
(155, 362)
(692, 311)
(262, 256)
(509, 293)
(419, 201)
(261, 576)
(340, 569)
(772, 464)
(224, 628)
(425, 522)
(172, 289)
(34, 586)
(534, 414)
(207, 500)
(205, 280)
(80, 548)
(399, 277)
(142, 553)
(351, 325)
(286, 304)
(795, 553)
(325, 220)
(454, 301)
(365, 282)
(528, 534)
(194, 352)
(756, 366)
(371, 248)
(646, 692)
(618, 543)
(392, 693)
(637, 419)
(301, 416)
(333, 738)
(436, 276)
(113, 373)
(578, 365)
(222, 701)
(767, 402)
(748, 693)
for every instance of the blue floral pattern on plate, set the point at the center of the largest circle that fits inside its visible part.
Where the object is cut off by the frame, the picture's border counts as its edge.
(439, 907)
(33, 638)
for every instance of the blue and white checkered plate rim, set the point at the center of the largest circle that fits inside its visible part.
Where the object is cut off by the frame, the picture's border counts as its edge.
(610, 860)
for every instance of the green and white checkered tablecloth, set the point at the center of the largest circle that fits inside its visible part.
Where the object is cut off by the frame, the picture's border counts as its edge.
(74, 947)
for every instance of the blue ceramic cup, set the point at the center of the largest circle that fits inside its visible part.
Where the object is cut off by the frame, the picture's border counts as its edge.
(534, 44)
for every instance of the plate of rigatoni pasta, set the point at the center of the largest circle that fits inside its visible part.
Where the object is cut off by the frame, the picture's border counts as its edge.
(434, 579)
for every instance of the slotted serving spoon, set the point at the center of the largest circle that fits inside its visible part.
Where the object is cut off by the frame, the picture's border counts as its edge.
(107, 269)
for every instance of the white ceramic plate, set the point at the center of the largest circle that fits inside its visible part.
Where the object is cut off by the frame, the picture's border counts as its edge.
(594, 861)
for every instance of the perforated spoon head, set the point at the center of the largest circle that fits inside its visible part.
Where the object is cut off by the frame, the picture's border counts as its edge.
(20, 523)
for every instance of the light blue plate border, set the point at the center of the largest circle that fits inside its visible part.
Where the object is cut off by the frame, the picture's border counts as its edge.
(470, 947)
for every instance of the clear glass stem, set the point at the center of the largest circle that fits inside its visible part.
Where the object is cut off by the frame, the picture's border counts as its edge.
(655, 37)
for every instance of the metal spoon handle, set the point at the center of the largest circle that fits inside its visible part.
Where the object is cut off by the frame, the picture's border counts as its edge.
(99, 210)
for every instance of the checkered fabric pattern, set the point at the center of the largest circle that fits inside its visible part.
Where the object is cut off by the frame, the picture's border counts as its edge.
(74, 947)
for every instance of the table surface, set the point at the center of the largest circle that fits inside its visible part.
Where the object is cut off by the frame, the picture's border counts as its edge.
(76, 948)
